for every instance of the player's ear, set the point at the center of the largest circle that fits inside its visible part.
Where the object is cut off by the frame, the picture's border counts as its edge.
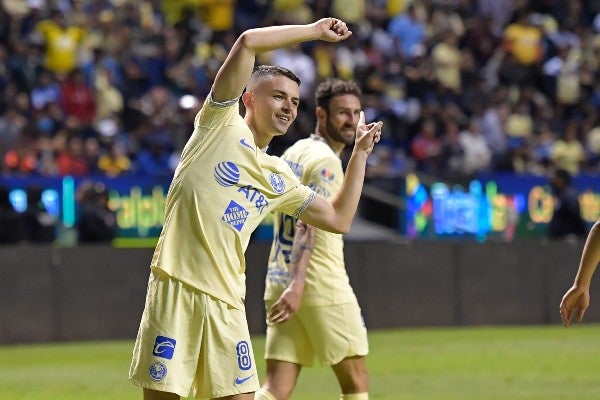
(321, 115)
(248, 100)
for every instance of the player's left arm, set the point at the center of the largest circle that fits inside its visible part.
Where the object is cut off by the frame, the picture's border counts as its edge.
(289, 301)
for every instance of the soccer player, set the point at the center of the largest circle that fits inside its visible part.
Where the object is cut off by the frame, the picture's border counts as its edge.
(577, 297)
(193, 336)
(312, 309)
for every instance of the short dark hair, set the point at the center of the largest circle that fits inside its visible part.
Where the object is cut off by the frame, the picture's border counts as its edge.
(333, 87)
(262, 71)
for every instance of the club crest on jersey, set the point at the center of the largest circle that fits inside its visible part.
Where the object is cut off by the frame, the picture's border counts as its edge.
(227, 174)
(277, 183)
(235, 215)
(327, 175)
(157, 371)
(164, 347)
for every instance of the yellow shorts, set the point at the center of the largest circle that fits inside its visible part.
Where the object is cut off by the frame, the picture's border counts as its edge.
(331, 333)
(190, 341)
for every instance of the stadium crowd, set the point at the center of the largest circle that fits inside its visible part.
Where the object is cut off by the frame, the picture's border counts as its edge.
(463, 86)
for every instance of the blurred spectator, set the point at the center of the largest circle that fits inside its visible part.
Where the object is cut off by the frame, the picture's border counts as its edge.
(92, 153)
(250, 14)
(40, 226)
(115, 162)
(46, 91)
(409, 32)
(566, 220)
(568, 152)
(519, 125)
(453, 152)
(294, 59)
(218, 14)
(477, 154)
(350, 11)
(522, 39)
(426, 148)
(593, 148)
(12, 125)
(46, 162)
(154, 158)
(480, 39)
(97, 223)
(107, 98)
(447, 60)
(61, 41)
(77, 99)
(541, 150)
(71, 160)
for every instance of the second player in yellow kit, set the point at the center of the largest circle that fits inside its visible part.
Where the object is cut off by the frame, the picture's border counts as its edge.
(328, 324)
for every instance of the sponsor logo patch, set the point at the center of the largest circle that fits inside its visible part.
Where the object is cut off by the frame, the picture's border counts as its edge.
(277, 183)
(296, 168)
(164, 347)
(245, 144)
(157, 371)
(239, 381)
(227, 174)
(235, 215)
(327, 175)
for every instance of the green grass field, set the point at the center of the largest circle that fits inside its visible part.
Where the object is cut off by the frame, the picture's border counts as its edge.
(547, 362)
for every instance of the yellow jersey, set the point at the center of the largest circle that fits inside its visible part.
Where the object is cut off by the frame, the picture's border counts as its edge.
(221, 190)
(320, 168)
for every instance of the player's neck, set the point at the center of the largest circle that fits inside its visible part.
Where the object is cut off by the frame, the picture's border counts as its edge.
(337, 147)
(261, 140)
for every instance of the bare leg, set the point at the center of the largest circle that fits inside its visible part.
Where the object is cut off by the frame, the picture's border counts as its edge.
(242, 396)
(352, 375)
(281, 378)
(150, 394)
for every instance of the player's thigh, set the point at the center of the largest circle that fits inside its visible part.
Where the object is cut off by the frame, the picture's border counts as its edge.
(168, 342)
(288, 341)
(226, 366)
(336, 332)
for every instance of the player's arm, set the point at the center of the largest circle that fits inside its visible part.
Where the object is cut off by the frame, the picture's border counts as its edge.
(233, 75)
(337, 214)
(577, 297)
(289, 301)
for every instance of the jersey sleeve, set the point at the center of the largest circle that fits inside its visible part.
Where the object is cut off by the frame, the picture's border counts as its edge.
(215, 113)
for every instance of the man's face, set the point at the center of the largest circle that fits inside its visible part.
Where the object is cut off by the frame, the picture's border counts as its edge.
(341, 119)
(275, 104)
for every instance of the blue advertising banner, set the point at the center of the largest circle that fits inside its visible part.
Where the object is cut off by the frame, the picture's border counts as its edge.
(139, 202)
(503, 206)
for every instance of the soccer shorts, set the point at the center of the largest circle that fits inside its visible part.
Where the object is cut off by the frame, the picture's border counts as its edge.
(331, 333)
(190, 341)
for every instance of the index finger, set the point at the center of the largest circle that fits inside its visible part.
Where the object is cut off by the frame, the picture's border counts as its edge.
(361, 118)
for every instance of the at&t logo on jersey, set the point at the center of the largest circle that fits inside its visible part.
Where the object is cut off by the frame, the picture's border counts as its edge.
(164, 347)
(277, 183)
(227, 174)
(235, 215)
(327, 175)
(157, 371)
